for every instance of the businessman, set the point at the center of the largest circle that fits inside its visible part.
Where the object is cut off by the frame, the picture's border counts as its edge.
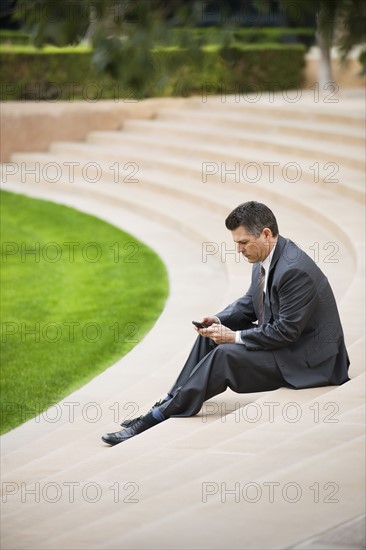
(284, 332)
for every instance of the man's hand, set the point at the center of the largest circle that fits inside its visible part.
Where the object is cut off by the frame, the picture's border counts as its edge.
(208, 320)
(218, 333)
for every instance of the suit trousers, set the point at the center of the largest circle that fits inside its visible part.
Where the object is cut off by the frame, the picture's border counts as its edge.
(210, 369)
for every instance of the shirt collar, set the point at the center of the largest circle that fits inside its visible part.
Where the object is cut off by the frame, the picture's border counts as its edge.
(267, 262)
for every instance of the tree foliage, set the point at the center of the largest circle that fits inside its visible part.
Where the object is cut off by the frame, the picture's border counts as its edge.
(123, 33)
(340, 23)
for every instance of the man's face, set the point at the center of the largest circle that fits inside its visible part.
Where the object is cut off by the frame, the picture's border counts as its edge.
(254, 249)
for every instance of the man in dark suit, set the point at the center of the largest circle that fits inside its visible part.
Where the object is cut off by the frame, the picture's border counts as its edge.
(284, 332)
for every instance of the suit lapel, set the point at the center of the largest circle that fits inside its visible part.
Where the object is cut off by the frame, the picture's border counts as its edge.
(281, 242)
(255, 278)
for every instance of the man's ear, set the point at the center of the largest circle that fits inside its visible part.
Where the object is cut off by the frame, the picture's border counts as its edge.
(267, 233)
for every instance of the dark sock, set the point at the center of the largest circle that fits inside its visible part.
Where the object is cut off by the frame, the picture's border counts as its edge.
(156, 415)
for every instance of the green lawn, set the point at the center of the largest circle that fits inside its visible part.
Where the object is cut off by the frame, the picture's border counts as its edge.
(76, 294)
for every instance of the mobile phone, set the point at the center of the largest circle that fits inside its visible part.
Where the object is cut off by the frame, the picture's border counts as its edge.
(198, 325)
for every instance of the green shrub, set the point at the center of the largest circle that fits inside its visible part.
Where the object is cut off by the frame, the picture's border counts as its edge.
(225, 70)
(276, 35)
(263, 66)
(66, 73)
(50, 74)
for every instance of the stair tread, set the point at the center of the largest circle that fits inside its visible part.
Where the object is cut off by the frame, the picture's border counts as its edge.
(342, 110)
(200, 145)
(211, 118)
(231, 431)
(280, 468)
(146, 160)
(170, 463)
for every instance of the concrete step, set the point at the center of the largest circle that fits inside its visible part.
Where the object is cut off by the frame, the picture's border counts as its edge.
(285, 523)
(146, 163)
(215, 409)
(163, 524)
(305, 109)
(47, 453)
(235, 149)
(248, 164)
(270, 138)
(225, 132)
(186, 270)
(167, 469)
(250, 120)
(48, 164)
(138, 398)
(159, 503)
(310, 206)
(220, 202)
(151, 532)
(349, 534)
(78, 434)
(350, 182)
(226, 429)
(207, 464)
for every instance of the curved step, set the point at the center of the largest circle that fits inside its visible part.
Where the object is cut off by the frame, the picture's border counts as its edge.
(221, 155)
(341, 132)
(169, 465)
(304, 105)
(190, 199)
(158, 493)
(350, 154)
(301, 197)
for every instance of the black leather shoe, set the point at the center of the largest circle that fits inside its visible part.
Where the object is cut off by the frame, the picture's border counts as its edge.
(139, 425)
(131, 422)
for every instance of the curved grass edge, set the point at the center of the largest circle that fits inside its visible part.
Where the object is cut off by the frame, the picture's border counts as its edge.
(68, 311)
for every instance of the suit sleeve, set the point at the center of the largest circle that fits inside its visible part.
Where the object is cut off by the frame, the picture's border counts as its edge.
(298, 299)
(240, 314)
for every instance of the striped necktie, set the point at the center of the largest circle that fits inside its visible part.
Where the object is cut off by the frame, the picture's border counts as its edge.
(262, 275)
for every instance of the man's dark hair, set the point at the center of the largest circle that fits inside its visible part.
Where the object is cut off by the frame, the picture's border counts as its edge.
(254, 216)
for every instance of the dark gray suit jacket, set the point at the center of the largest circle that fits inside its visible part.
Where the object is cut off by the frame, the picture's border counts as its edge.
(301, 325)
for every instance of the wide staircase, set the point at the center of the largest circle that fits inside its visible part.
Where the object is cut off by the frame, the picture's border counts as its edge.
(280, 469)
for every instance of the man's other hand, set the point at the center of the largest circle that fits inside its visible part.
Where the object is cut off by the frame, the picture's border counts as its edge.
(218, 333)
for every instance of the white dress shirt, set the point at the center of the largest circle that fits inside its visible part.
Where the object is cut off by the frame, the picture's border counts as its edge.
(266, 265)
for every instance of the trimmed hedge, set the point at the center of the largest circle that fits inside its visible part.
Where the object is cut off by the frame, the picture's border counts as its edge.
(67, 74)
(245, 35)
(8, 36)
(241, 69)
(207, 35)
(280, 35)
